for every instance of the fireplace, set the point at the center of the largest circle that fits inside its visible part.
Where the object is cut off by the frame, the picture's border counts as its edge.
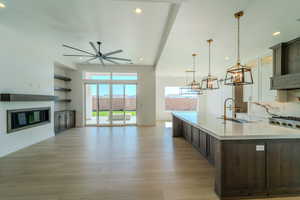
(27, 118)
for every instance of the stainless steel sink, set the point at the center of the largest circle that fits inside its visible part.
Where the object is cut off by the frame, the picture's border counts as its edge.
(241, 121)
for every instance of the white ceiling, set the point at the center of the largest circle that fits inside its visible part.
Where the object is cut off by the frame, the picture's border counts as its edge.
(199, 20)
(113, 22)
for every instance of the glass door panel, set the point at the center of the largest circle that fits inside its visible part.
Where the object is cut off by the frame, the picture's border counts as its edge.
(117, 104)
(130, 104)
(91, 110)
(104, 104)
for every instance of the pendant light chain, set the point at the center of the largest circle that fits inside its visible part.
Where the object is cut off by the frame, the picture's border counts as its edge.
(194, 67)
(238, 42)
(209, 58)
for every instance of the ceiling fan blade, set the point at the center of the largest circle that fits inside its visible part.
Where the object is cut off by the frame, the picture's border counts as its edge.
(94, 47)
(109, 60)
(113, 52)
(101, 60)
(67, 46)
(115, 58)
(90, 59)
(79, 55)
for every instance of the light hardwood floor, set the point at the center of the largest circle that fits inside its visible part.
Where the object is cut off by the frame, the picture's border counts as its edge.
(120, 163)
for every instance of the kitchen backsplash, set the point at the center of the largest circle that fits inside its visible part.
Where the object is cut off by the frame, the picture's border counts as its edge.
(289, 108)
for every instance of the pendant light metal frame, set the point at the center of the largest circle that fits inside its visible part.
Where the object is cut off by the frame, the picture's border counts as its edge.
(210, 82)
(237, 74)
(194, 87)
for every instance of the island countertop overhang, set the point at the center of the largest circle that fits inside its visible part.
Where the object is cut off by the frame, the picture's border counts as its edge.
(228, 130)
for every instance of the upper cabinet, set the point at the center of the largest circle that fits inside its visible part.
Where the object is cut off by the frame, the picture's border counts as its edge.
(286, 65)
(266, 72)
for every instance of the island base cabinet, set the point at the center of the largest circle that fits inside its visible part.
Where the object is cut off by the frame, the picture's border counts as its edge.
(247, 168)
(283, 166)
(176, 127)
(241, 168)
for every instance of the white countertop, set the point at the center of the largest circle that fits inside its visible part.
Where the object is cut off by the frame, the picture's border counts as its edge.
(228, 130)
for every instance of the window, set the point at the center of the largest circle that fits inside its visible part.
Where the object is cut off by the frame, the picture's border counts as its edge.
(97, 76)
(176, 102)
(110, 76)
(124, 76)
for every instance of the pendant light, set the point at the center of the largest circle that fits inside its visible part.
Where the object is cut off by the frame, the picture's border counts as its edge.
(238, 74)
(210, 82)
(193, 87)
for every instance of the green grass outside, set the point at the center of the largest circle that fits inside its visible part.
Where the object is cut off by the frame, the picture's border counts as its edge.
(106, 113)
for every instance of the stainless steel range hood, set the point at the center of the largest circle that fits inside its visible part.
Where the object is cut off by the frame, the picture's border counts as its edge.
(286, 65)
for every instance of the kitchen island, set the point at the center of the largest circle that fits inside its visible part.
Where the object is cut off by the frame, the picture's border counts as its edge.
(251, 159)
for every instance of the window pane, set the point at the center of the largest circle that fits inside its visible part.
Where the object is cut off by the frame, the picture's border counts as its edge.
(175, 102)
(124, 76)
(97, 76)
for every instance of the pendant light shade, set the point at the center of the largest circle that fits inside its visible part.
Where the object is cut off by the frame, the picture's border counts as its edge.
(238, 74)
(192, 87)
(210, 82)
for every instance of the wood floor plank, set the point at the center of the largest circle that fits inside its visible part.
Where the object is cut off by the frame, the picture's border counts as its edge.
(118, 163)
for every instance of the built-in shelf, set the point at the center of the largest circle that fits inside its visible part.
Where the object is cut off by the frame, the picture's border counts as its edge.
(26, 97)
(63, 100)
(60, 77)
(62, 89)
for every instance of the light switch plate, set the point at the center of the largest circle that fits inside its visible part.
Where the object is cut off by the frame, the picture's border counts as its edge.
(260, 147)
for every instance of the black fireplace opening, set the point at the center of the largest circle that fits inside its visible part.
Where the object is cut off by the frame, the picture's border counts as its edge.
(27, 118)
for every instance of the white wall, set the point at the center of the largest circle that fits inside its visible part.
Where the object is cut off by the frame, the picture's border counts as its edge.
(26, 66)
(146, 104)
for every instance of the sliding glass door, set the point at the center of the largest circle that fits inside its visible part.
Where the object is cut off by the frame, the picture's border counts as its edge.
(110, 104)
(118, 104)
(130, 103)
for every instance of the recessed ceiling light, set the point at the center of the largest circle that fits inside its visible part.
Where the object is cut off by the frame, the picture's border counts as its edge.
(141, 59)
(2, 5)
(276, 33)
(138, 10)
(227, 58)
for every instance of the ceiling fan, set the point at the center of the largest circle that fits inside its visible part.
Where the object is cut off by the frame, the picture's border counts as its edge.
(98, 54)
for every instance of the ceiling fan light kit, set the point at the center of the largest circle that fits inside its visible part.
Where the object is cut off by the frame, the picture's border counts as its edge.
(238, 74)
(97, 54)
(210, 82)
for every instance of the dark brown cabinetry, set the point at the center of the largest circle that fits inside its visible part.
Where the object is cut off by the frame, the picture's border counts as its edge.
(200, 140)
(203, 143)
(247, 168)
(64, 120)
(243, 168)
(210, 149)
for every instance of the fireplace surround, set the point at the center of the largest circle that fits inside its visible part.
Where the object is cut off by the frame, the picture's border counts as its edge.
(27, 118)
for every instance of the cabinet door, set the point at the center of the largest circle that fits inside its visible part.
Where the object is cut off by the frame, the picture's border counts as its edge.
(203, 143)
(62, 121)
(177, 127)
(184, 130)
(196, 138)
(68, 119)
(243, 168)
(189, 133)
(211, 149)
(72, 119)
(283, 166)
(266, 72)
(56, 122)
